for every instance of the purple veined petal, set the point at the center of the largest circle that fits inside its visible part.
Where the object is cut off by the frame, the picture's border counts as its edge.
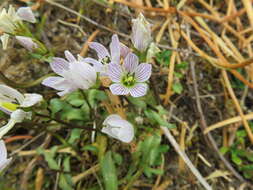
(58, 83)
(115, 72)
(102, 52)
(94, 62)
(118, 89)
(59, 65)
(64, 92)
(25, 13)
(69, 56)
(131, 62)
(124, 50)
(115, 49)
(140, 89)
(143, 72)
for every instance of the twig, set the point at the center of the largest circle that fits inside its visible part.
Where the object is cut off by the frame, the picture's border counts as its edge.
(185, 158)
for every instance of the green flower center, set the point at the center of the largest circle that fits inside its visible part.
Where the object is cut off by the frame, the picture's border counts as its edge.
(128, 80)
(106, 60)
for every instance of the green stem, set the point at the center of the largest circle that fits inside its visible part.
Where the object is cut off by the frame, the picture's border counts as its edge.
(134, 178)
(23, 85)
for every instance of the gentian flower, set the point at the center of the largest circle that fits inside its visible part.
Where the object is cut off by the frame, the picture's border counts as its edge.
(3, 156)
(75, 74)
(129, 77)
(141, 33)
(118, 128)
(27, 42)
(105, 57)
(11, 22)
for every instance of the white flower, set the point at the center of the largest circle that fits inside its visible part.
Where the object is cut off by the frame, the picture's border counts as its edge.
(16, 117)
(26, 42)
(3, 156)
(26, 14)
(141, 33)
(118, 128)
(11, 99)
(75, 74)
(11, 20)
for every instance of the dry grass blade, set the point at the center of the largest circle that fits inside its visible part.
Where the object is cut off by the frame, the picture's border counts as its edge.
(228, 122)
(186, 159)
(237, 105)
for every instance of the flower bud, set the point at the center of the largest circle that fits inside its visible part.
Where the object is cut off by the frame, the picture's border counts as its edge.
(118, 128)
(141, 33)
(27, 43)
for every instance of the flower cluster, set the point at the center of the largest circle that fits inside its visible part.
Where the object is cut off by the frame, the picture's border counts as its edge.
(12, 102)
(120, 64)
(11, 24)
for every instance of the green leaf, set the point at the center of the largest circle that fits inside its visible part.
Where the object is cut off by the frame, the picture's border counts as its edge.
(109, 172)
(177, 88)
(73, 114)
(75, 134)
(138, 102)
(63, 183)
(56, 105)
(49, 157)
(75, 99)
(157, 118)
(236, 159)
(182, 65)
(95, 95)
(224, 150)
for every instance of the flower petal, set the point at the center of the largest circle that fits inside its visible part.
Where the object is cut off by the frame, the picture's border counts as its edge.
(124, 50)
(118, 128)
(96, 64)
(143, 72)
(3, 151)
(131, 62)
(115, 49)
(139, 90)
(25, 13)
(19, 115)
(115, 72)
(5, 163)
(57, 83)
(6, 128)
(59, 65)
(118, 89)
(31, 99)
(102, 52)
(70, 57)
(111, 117)
(11, 93)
